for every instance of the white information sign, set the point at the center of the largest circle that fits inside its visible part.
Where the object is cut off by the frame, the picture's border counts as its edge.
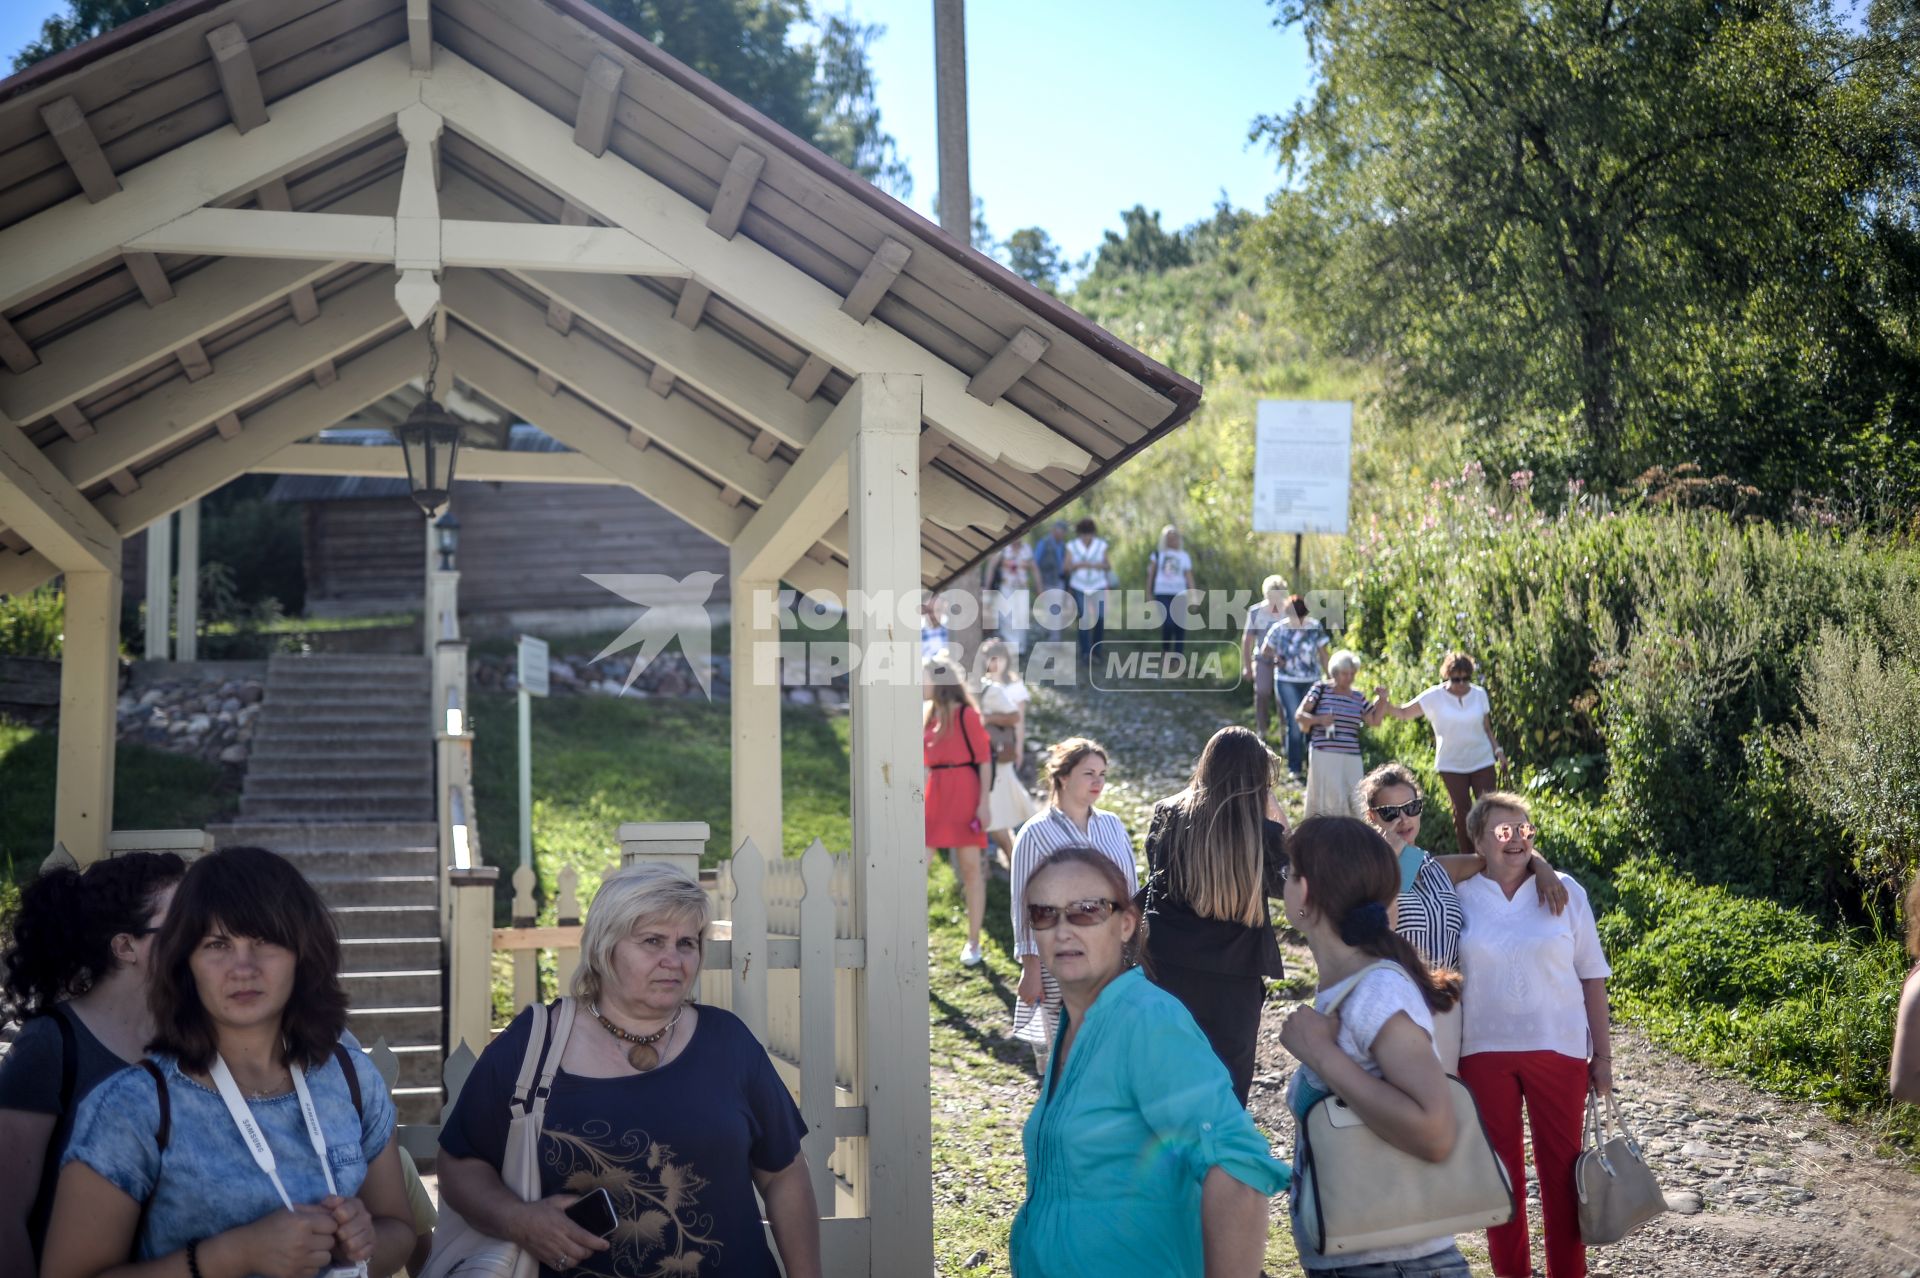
(1302, 456)
(533, 665)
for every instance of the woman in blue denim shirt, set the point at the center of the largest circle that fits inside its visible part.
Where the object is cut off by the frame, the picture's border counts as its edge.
(245, 985)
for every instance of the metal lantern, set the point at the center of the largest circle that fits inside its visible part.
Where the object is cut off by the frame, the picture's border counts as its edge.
(447, 529)
(430, 442)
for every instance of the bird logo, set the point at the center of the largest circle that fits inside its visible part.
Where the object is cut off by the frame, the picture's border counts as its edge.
(674, 608)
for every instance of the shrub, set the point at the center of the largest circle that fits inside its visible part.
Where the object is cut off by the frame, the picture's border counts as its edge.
(31, 624)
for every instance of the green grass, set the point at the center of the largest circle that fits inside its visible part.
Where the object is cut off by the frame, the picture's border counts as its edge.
(153, 790)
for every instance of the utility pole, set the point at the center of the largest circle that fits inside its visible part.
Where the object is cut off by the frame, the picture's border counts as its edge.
(950, 82)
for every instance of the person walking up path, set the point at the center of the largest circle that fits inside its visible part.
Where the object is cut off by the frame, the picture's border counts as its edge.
(1466, 755)
(1334, 712)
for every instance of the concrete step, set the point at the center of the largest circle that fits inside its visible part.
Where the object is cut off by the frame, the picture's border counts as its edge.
(324, 714)
(376, 990)
(286, 764)
(337, 807)
(347, 661)
(364, 785)
(419, 1066)
(289, 837)
(388, 953)
(345, 863)
(271, 734)
(419, 1105)
(386, 889)
(359, 922)
(413, 1025)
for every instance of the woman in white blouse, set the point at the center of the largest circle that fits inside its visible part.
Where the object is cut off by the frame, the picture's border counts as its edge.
(1087, 569)
(1534, 1026)
(1169, 577)
(1465, 753)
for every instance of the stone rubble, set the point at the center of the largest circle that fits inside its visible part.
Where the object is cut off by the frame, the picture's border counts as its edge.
(207, 717)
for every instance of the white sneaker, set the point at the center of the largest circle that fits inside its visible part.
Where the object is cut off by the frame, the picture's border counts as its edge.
(971, 955)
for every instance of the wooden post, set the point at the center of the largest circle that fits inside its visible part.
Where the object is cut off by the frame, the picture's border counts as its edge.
(755, 714)
(470, 957)
(89, 689)
(566, 959)
(889, 851)
(159, 589)
(950, 94)
(186, 614)
(680, 844)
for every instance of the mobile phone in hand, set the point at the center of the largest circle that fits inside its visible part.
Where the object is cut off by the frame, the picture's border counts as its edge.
(594, 1213)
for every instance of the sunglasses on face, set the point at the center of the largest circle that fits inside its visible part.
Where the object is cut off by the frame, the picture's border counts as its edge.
(1045, 918)
(1507, 831)
(1459, 678)
(1394, 811)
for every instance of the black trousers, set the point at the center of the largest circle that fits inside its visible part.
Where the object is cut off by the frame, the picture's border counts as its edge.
(1227, 1009)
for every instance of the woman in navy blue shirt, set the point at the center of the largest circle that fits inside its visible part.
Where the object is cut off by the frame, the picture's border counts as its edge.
(674, 1109)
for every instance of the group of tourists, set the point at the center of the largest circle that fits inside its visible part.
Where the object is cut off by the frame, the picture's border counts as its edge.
(1077, 565)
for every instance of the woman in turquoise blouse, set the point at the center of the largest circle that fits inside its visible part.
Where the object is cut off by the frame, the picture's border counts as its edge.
(1139, 1159)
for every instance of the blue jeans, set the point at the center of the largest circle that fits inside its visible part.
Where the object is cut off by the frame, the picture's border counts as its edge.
(1088, 603)
(1441, 1264)
(1291, 694)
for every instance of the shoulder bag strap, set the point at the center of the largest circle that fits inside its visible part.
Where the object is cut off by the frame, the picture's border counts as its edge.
(537, 1035)
(1353, 983)
(353, 1076)
(165, 1129)
(69, 1058)
(562, 1029)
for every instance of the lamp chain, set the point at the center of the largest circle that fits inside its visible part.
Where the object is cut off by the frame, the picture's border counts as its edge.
(433, 361)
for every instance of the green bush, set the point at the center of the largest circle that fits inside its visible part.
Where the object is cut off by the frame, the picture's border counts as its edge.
(31, 624)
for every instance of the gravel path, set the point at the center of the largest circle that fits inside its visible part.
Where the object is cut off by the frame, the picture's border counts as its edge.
(1759, 1185)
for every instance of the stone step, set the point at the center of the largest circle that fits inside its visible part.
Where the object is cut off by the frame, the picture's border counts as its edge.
(333, 710)
(289, 837)
(367, 921)
(384, 736)
(388, 889)
(346, 661)
(388, 953)
(366, 785)
(419, 1105)
(346, 863)
(337, 807)
(377, 990)
(409, 765)
(419, 1066)
(411, 1025)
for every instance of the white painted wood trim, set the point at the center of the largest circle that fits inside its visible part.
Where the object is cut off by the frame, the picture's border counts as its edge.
(485, 465)
(24, 572)
(599, 96)
(420, 36)
(313, 237)
(49, 512)
(186, 608)
(604, 250)
(159, 620)
(806, 503)
(754, 713)
(71, 132)
(239, 78)
(1008, 365)
(89, 688)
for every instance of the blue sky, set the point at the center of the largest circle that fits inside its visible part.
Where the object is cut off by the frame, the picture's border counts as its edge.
(1077, 108)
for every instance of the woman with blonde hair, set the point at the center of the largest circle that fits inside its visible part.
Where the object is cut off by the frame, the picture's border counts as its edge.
(1169, 578)
(959, 761)
(1076, 775)
(1256, 665)
(1215, 854)
(1333, 711)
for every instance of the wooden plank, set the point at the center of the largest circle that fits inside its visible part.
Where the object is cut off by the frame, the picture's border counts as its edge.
(809, 499)
(764, 444)
(228, 425)
(808, 379)
(420, 35)
(325, 374)
(593, 122)
(193, 361)
(743, 172)
(274, 197)
(149, 277)
(546, 382)
(322, 237)
(692, 304)
(660, 382)
(239, 78)
(602, 250)
(67, 123)
(73, 421)
(1009, 364)
(558, 316)
(817, 1016)
(14, 351)
(51, 513)
(123, 482)
(481, 465)
(21, 573)
(885, 267)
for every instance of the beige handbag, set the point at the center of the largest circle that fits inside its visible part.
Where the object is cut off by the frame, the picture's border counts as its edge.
(1354, 1192)
(459, 1248)
(1618, 1193)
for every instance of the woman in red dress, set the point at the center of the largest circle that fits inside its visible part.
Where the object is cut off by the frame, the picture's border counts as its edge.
(959, 761)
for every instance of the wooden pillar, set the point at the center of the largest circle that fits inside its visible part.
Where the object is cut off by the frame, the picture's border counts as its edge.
(89, 689)
(186, 644)
(950, 101)
(889, 851)
(755, 713)
(159, 589)
(470, 957)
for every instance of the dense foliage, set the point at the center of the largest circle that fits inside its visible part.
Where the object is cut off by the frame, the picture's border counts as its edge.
(31, 624)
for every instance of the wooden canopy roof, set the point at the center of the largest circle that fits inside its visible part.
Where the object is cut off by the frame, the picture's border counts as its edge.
(153, 351)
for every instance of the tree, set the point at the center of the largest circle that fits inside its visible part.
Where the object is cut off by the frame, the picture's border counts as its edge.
(820, 89)
(1628, 226)
(1034, 257)
(1146, 248)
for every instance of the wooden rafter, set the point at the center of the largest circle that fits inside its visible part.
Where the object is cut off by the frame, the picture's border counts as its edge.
(74, 136)
(599, 95)
(149, 277)
(736, 188)
(275, 198)
(878, 276)
(1008, 365)
(14, 351)
(50, 512)
(239, 78)
(420, 36)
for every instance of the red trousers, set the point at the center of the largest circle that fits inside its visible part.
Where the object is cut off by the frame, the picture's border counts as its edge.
(1554, 1088)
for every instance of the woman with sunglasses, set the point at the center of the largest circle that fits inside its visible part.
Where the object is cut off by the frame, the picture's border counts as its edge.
(1466, 755)
(1534, 1027)
(1214, 856)
(1139, 1159)
(1427, 911)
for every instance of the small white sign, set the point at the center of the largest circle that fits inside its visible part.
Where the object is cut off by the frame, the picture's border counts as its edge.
(1302, 459)
(533, 665)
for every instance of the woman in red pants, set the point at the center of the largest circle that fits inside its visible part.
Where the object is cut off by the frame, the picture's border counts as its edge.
(1534, 1028)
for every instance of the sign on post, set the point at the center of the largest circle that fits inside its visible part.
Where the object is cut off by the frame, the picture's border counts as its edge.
(531, 676)
(533, 665)
(1302, 455)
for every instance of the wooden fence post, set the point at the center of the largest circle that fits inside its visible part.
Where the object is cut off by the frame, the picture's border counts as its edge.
(750, 939)
(817, 1019)
(566, 959)
(470, 957)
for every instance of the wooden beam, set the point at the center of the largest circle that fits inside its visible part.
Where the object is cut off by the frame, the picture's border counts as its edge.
(149, 278)
(322, 237)
(174, 410)
(571, 214)
(692, 304)
(73, 421)
(806, 503)
(420, 36)
(604, 250)
(124, 481)
(776, 292)
(329, 114)
(74, 136)
(764, 444)
(37, 502)
(596, 374)
(325, 374)
(881, 271)
(239, 79)
(806, 382)
(22, 573)
(193, 361)
(593, 121)
(736, 188)
(487, 465)
(228, 424)
(730, 496)
(546, 382)
(274, 198)
(89, 686)
(1009, 364)
(197, 471)
(14, 351)
(660, 382)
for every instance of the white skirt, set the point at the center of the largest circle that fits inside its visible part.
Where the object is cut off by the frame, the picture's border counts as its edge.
(1332, 779)
(1009, 806)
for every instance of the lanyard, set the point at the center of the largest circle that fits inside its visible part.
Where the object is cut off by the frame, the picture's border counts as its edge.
(256, 1139)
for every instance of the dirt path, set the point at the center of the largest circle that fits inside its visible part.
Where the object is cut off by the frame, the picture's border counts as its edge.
(1760, 1185)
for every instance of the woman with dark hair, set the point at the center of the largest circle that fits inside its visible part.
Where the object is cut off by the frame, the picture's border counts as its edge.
(1215, 854)
(1295, 652)
(1374, 1050)
(251, 1140)
(959, 761)
(1904, 1081)
(78, 956)
(1139, 1160)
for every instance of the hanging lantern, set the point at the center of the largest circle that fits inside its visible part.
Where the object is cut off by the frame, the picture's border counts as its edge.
(430, 442)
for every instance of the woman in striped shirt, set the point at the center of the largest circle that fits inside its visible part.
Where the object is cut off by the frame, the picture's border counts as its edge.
(1076, 774)
(1427, 912)
(1332, 713)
